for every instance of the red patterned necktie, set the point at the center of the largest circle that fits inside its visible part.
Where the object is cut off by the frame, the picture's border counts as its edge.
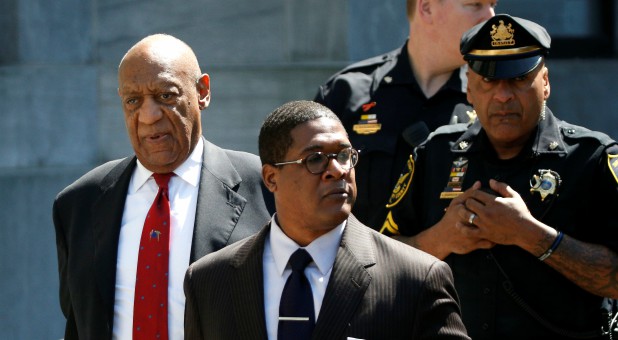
(150, 304)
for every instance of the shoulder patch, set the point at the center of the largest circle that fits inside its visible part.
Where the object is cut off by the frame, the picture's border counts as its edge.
(612, 161)
(403, 183)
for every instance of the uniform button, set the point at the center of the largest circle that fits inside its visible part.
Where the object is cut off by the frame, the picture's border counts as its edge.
(485, 326)
(486, 290)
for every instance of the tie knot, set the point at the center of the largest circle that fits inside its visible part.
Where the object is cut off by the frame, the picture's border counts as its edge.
(299, 260)
(163, 179)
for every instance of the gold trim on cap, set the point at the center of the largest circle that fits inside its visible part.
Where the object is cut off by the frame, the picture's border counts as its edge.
(507, 51)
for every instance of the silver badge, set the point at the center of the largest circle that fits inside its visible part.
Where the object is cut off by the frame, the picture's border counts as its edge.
(545, 182)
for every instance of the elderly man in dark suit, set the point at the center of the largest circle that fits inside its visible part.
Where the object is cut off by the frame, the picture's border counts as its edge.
(342, 278)
(110, 245)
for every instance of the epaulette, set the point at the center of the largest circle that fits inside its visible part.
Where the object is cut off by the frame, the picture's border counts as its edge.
(579, 132)
(371, 63)
(610, 145)
(449, 129)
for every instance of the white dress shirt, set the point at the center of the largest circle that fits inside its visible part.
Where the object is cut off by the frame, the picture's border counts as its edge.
(183, 190)
(277, 251)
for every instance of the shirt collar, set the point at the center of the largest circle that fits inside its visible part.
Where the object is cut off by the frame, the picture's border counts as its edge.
(189, 170)
(401, 73)
(323, 250)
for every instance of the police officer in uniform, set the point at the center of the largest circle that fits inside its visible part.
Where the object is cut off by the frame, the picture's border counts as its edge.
(391, 101)
(519, 202)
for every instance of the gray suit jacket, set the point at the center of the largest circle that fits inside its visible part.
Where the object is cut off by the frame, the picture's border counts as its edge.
(87, 216)
(379, 289)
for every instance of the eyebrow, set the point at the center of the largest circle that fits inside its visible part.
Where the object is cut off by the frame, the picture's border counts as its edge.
(160, 84)
(317, 147)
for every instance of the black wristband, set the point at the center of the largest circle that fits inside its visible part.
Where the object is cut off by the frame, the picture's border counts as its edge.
(553, 247)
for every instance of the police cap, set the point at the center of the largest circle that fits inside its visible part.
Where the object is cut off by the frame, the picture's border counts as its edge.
(505, 47)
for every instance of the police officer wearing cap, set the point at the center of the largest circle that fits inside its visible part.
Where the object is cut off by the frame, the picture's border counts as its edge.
(389, 103)
(519, 203)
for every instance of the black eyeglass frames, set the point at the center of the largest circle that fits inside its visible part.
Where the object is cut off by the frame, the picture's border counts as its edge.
(317, 162)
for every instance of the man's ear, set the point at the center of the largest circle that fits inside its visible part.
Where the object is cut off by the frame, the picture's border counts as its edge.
(468, 89)
(269, 176)
(203, 89)
(424, 10)
(546, 87)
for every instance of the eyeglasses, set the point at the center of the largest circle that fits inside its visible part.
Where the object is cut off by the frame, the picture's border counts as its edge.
(317, 162)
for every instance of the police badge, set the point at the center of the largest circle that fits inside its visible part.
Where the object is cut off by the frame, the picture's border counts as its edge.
(545, 182)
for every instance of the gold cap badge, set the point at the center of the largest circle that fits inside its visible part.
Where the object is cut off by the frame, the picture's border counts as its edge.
(502, 35)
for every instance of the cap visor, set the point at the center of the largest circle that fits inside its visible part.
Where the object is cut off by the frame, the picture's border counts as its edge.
(505, 69)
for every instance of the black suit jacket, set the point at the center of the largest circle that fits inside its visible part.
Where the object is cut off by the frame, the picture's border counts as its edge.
(379, 289)
(87, 216)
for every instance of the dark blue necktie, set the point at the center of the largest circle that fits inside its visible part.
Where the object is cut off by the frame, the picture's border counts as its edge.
(296, 313)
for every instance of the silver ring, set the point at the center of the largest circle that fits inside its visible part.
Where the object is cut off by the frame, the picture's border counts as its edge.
(471, 218)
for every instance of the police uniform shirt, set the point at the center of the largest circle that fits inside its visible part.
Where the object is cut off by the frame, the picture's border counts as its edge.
(376, 100)
(582, 207)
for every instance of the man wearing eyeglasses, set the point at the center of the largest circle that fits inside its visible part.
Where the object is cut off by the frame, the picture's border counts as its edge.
(315, 271)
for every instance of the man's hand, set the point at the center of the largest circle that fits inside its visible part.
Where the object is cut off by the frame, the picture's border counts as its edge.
(505, 219)
(448, 236)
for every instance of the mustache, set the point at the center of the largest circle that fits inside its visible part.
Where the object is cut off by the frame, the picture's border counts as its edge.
(340, 186)
(504, 108)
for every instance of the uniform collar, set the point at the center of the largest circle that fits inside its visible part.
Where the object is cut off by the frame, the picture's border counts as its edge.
(548, 139)
(401, 73)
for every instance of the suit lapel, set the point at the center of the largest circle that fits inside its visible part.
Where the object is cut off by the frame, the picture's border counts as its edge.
(107, 216)
(348, 282)
(247, 288)
(218, 205)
